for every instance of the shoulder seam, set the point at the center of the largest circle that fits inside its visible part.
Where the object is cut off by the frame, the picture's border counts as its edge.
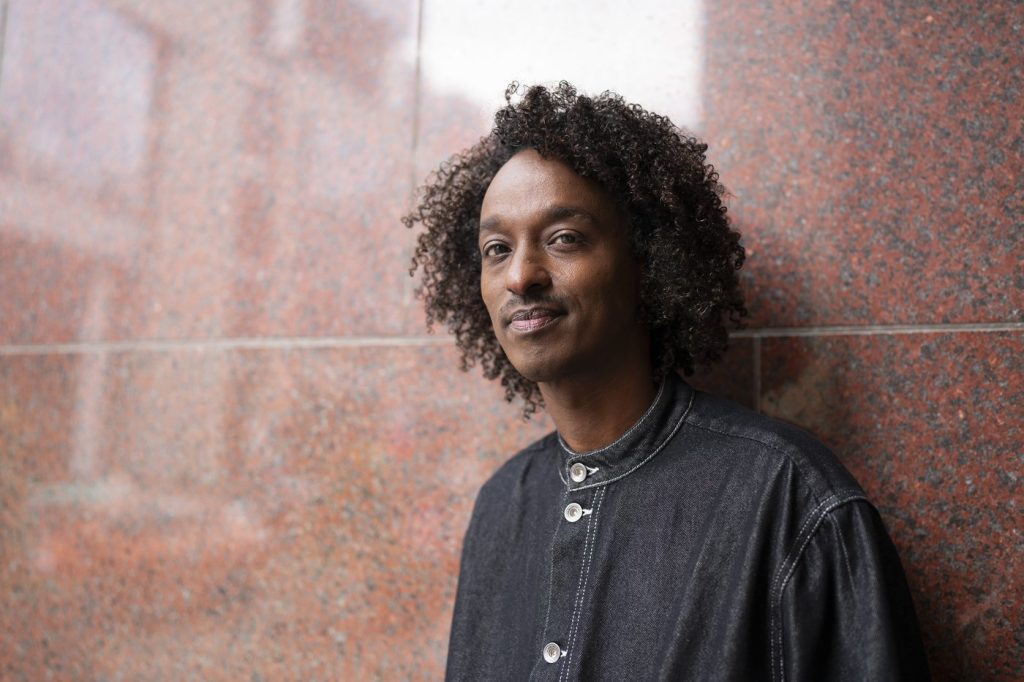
(770, 446)
(789, 564)
(842, 544)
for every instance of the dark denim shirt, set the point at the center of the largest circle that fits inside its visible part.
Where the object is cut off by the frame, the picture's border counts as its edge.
(707, 543)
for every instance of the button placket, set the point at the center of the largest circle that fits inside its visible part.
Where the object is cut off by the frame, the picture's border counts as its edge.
(587, 549)
(572, 553)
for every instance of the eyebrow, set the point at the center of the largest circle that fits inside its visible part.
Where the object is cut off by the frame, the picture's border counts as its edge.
(551, 215)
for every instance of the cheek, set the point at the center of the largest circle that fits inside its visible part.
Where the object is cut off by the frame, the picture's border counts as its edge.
(485, 289)
(490, 301)
(621, 297)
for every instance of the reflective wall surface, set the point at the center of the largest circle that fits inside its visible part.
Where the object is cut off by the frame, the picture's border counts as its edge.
(229, 449)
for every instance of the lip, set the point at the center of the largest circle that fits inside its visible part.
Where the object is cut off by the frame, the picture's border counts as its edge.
(526, 320)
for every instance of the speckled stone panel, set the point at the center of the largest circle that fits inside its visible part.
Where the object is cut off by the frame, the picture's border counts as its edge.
(297, 514)
(932, 425)
(875, 154)
(238, 171)
(239, 515)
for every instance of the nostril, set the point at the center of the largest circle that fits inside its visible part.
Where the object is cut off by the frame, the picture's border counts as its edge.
(525, 274)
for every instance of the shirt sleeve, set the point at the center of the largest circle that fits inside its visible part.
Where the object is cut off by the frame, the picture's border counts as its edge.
(847, 612)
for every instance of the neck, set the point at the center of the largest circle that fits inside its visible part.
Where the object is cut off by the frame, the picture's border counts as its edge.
(592, 412)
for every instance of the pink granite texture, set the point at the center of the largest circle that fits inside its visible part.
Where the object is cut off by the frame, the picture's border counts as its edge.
(874, 151)
(930, 424)
(227, 448)
(224, 173)
(247, 514)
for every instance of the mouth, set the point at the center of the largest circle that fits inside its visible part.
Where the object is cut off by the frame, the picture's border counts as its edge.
(533, 319)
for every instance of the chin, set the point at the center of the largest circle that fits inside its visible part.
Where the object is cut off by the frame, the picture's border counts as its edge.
(546, 371)
(533, 374)
(536, 370)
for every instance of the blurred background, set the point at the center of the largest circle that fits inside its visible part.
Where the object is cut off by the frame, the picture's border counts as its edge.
(229, 450)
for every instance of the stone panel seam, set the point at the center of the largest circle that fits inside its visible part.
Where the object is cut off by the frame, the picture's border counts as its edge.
(3, 39)
(225, 344)
(417, 100)
(876, 330)
(284, 343)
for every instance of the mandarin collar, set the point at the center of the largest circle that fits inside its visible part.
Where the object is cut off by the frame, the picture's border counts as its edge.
(638, 445)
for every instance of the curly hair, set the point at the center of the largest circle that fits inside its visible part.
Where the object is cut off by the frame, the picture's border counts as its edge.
(689, 283)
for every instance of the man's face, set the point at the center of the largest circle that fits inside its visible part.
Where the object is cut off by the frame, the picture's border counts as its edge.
(557, 275)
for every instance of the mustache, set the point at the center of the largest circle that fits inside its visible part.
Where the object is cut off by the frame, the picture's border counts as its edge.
(517, 302)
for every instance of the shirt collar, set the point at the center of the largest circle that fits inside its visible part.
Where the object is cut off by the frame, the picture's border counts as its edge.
(638, 445)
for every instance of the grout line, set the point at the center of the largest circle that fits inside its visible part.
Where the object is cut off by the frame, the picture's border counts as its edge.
(417, 100)
(876, 330)
(757, 372)
(285, 343)
(3, 38)
(227, 344)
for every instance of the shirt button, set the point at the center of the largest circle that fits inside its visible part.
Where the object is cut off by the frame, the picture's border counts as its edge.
(577, 472)
(573, 513)
(552, 652)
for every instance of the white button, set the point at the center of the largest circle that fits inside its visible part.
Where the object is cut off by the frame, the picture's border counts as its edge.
(573, 513)
(577, 472)
(552, 652)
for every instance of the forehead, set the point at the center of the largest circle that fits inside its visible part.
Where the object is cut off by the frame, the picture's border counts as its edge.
(530, 183)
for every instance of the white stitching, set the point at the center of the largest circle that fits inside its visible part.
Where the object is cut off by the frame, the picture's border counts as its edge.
(551, 574)
(648, 457)
(778, 576)
(657, 399)
(789, 574)
(579, 590)
(779, 586)
(785, 452)
(842, 546)
(578, 611)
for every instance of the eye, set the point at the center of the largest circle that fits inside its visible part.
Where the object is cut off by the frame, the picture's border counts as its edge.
(494, 249)
(566, 238)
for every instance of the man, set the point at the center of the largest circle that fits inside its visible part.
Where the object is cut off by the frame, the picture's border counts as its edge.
(581, 254)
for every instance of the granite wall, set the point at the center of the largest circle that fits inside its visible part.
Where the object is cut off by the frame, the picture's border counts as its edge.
(228, 448)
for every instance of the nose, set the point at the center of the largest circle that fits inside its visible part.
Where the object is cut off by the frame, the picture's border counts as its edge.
(526, 272)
